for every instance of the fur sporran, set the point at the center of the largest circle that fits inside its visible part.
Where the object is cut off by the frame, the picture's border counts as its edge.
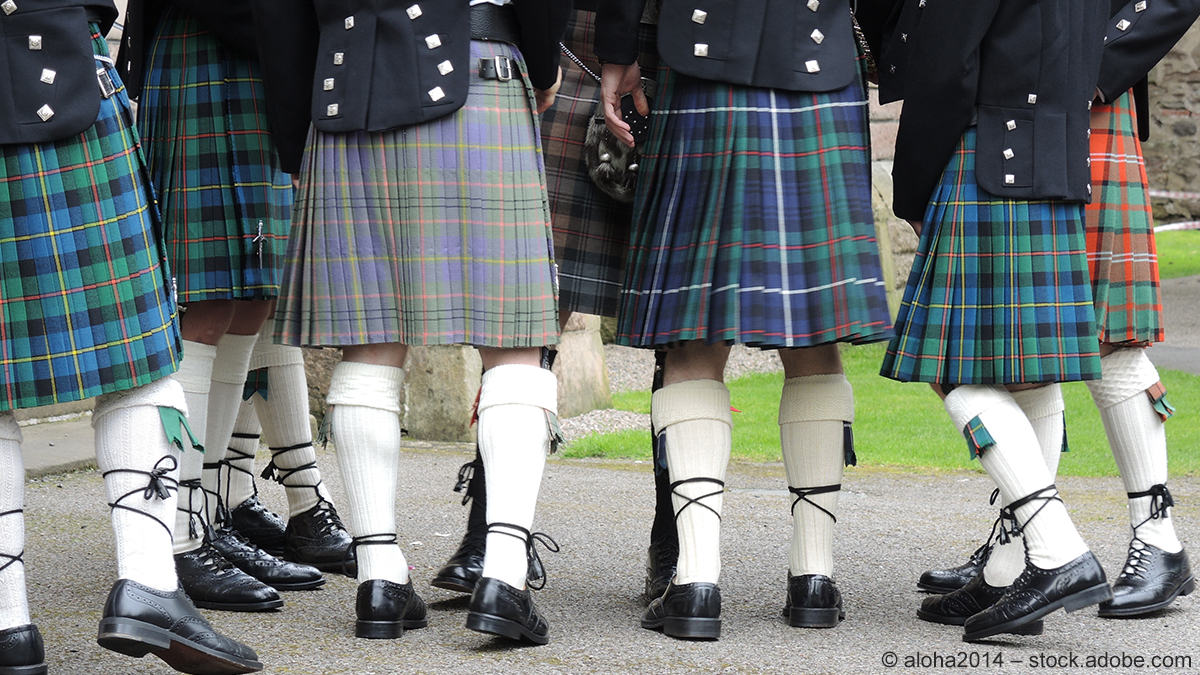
(612, 165)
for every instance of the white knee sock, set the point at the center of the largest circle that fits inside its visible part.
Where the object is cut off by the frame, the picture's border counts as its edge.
(14, 603)
(1044, 408)
(195, 376)
(131, 445)
(224, 399)
(696, 419)
(1137, 437)
(514, 439)
(813, 412)
(1016, 465)
(239, 458)
(364, 402)
(284, 418)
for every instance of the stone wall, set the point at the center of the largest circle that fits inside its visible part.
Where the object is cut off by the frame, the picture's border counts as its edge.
(897, 241)
(1173, 151)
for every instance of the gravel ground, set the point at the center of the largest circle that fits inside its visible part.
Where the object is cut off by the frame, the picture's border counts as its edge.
(631, 369)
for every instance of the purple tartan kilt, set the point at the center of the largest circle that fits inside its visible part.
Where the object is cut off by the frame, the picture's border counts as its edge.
(753, 222)
(437, 233)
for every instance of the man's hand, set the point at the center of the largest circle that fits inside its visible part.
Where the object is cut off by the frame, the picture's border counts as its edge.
(916, 226)
(545, 98)
(616, 81)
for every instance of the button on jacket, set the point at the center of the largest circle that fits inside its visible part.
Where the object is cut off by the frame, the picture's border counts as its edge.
(796, 45)
(48, 69)
(1024, 72)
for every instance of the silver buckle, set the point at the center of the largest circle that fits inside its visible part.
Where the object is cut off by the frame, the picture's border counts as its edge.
(496, 68)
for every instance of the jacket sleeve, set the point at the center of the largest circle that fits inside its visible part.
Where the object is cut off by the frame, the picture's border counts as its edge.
(939, 97)
(231, 20)
(617, 30)
(876, 18)
(542, 26)
(287, 36)
(1138, 37)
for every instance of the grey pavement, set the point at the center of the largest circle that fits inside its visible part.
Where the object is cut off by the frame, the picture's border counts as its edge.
(1181, 310)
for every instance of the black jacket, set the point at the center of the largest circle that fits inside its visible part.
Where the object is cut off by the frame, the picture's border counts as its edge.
(279, 37)
(1025, 72)
(48, 70)
(796, 45)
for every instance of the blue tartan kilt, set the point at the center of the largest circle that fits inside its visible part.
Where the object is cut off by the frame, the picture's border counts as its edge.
(999, 292)
(85, 306)
(753, 220)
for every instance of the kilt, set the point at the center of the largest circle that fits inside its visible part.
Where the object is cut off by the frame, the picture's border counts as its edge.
(225, 203)
(591, 229)
(84, 305)
(1120, 236)
(437, 233)
(998, 293)
(753, 220)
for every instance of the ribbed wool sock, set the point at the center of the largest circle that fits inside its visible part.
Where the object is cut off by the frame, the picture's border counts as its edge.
(1016, 465)
(243, 445)
(696, 419)
(195, 376)
(224, 399)
(1137, 437)
(813, 412)
(364, 402)
(131, 447)
(14, 603)
(1044, 407)
(284, 417)
(514, 439)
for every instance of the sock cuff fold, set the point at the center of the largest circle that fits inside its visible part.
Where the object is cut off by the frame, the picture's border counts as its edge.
(1125, 373)
(268, 354)
(233, 358)
(9, 429)
(1041, 402)
(366, 384)
(969, 401)
(816, 398)
(691, 400)
(519, 384)
(165, 392)
(196, 367)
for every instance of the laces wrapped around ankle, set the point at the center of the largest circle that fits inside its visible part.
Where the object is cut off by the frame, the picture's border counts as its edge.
(534, 576)
(1160, 501)
(230, 467)
(280, 475)
(1008, 514)
(159, 485)
(380, 539)
(192, 485)
(12, 559)
(466, 474)
(803, 494)
(696, 500)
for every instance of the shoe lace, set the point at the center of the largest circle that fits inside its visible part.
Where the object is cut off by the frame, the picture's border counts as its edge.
(688, 501)
(326, 518)
(466, 474)
(229, 466)
(1008, 525)
(12, 559)
(380, 539)
(803, 494)
(212, 558)
(1137, 558)
(280, 475)
(160, 484)
(1136, 561)
(536, 576)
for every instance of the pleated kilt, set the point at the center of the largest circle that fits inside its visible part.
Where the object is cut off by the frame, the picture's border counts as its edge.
(753, 220)
(999, 291)
(226, 204)
(591, 229)
(437, 233)
(84, 302)
(1122, 257)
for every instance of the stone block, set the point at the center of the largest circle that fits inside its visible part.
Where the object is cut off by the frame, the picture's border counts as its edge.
(582, 376)
(318, 369)
(440, 387)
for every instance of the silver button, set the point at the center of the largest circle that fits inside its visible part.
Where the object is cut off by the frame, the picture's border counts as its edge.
(1011, 124)
(413, 12)
(814, 4)
(9, 6)
(1089, 161)
(817, 36)
(1123, 24)
(349, 22)
(892, 69)
(433, 41)
(339, 58)
(1089, 189)
(1008, 153)
(35, 42)
(45, 112)
(700, 49)
(437, 94)
(1140, 7)
(921, 4)
(699, 16)
(812, 66)
(48, 76)
(445, 67)
(904, 37)
(1089, 105)
(1089, 133)
(1032, 99)
(331, 110)
(328, 84)
(1009, 179)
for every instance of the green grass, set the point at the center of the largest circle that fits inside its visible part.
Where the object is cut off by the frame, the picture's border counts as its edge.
(1178, 253)
(905, 425)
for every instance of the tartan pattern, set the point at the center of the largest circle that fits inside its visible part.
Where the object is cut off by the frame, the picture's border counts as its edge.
(753, 220)
(1122, 257)
(978, 437)
(225, 203)
(84, 307)
(437, 233)
(591, 230)
(999, 292)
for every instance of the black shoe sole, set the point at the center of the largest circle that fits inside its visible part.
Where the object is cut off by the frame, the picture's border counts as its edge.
(264, 606)
(1035, 628)
(332, 567)
(457, 584)
(496, 625)
(686, 627)
(940, 590)
(299, 586)
(1185, 588)
(386, 630)
(1072, 603)
(808, 617)
(36, 669)
(138, 638)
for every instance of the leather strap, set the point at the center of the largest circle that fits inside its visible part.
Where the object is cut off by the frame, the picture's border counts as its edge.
(496, 23)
